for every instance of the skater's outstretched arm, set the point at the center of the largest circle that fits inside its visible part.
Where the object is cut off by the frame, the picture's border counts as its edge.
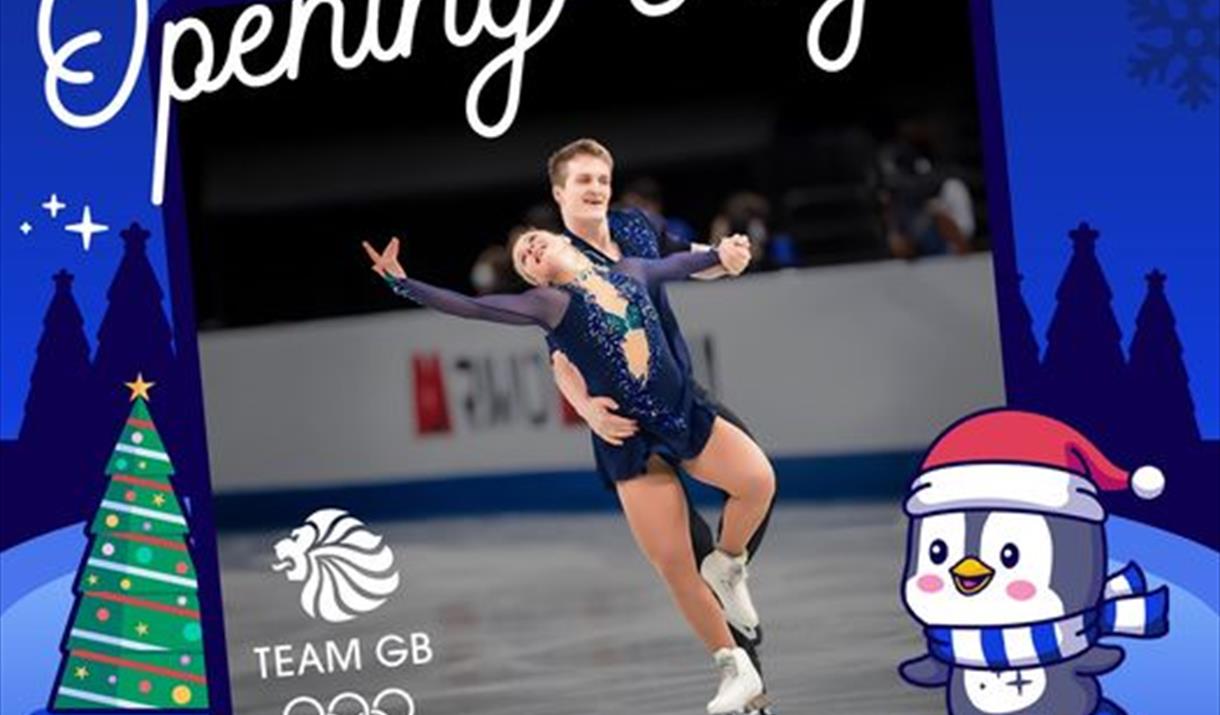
(925, 671)
(676, 266)
(538, 306)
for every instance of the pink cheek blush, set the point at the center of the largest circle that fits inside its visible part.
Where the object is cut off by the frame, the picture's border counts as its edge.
(1021, 590)
(930, 583)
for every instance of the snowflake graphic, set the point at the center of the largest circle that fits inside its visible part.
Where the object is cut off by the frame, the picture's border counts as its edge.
(1188, 40)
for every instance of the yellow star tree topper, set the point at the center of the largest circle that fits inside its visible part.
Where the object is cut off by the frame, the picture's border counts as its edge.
(139, 388)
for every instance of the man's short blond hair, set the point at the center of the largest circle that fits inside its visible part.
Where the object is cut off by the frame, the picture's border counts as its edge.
(557, 164)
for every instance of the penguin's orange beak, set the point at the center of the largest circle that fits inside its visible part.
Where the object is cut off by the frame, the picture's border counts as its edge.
(971, 576)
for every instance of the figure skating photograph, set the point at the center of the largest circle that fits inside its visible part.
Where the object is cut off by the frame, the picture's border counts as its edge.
(656, 467)
(605, 322)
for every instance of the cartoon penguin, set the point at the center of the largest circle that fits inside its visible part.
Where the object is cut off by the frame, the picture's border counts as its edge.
(1005, 568)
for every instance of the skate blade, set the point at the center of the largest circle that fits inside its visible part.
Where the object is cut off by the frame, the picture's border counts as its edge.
(760, 705)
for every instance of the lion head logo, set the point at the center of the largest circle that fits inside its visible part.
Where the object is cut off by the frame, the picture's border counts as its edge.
(346, 569)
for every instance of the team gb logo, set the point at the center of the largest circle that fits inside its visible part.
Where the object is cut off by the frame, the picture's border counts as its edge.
(346, 569)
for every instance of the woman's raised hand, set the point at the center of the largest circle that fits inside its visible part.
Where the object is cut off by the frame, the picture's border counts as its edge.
(386, 261)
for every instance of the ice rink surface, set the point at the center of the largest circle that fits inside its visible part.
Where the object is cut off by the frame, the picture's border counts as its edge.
(561, 615)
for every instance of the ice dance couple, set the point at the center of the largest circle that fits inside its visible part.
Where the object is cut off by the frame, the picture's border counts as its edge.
(621, 361)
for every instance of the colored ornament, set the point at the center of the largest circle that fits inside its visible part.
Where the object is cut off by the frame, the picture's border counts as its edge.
(108, 549)
(103, 615)
(181, 695)
(112, 521)
(144, 555)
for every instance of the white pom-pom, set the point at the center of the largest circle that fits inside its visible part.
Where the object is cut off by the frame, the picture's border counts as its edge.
(1148, 482)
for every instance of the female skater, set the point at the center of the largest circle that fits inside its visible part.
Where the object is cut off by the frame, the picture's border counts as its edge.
(604, 320)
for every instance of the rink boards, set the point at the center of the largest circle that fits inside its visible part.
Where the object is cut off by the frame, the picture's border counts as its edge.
(864, 362)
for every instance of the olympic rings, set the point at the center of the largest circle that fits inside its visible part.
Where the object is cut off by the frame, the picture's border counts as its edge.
(365, 707)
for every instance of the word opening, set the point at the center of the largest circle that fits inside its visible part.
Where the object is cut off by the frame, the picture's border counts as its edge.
(254, 24)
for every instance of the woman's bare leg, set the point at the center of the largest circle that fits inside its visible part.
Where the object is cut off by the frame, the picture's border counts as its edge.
(733, 462)
(655, 506)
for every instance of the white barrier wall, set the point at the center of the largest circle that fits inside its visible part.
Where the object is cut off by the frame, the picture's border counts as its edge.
(846, 359)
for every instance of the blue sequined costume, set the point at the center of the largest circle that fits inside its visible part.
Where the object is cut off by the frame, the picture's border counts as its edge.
(638, 236)
(675, 423)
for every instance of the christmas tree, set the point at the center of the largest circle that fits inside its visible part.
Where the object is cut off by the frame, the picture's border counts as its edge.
(1159, 388)
(60, 402)
(1083, 368)
(134, 335)
(135, 638)
(61, 373)
(1022, 371)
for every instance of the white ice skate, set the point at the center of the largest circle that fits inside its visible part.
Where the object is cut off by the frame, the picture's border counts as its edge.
(727, 576)
(741, 688)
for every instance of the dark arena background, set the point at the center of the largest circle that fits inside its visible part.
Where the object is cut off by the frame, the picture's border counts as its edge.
(858, 332)
(717, 99)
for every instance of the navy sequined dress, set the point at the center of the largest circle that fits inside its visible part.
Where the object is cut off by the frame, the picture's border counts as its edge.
(675, 422)
(639, 236)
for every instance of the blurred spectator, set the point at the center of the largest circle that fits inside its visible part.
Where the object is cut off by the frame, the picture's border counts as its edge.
(493, 271)
(749, 213)
(927, 210)
(644, 193)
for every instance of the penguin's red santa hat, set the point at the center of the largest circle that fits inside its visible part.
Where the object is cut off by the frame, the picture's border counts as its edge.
(1021, 461)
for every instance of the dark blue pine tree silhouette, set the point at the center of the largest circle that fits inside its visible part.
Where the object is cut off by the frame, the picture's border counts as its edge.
(1083, 367)
(60, 380)
(1158, 387)
(1022, 371)
(1161, 428)
(59, 407)
(134, 338)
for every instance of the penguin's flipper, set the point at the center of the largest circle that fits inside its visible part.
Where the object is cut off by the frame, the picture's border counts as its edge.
(1099, 660)
(925, 671)
(1107, 707)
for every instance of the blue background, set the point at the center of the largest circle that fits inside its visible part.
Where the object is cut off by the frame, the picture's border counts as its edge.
(1085, 141)
(109, 168)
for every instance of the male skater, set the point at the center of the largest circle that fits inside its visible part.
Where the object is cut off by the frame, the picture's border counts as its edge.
(580, 174)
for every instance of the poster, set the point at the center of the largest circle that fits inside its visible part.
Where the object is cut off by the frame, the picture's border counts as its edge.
(951, 346)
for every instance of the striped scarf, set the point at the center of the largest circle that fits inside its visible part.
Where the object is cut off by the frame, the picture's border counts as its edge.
(1126, 609)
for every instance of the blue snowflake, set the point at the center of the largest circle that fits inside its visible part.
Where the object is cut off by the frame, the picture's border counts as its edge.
(1189, 40)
